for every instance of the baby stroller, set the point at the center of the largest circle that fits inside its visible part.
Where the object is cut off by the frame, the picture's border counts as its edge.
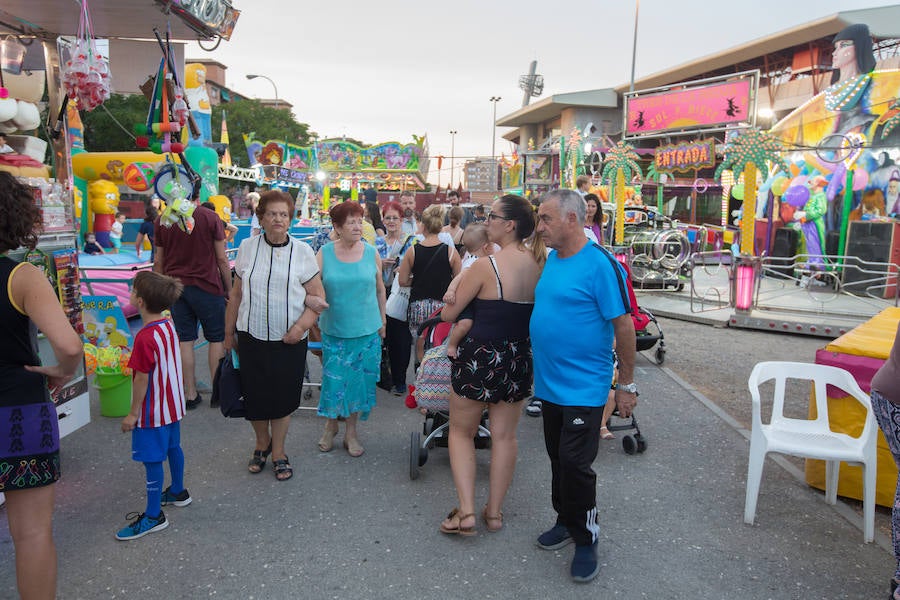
(432, 396)
(646, 339)
(630, 443)
(646, 327)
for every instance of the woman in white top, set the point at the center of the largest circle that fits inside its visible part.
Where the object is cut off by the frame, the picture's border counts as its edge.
(267, 312)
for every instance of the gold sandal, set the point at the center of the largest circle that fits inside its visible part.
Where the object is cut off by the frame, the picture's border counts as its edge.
(326, 442)
(459, 529)
(354, 448)
(489, 518)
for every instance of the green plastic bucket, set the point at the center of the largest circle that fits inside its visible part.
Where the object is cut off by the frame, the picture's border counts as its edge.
(115, 393)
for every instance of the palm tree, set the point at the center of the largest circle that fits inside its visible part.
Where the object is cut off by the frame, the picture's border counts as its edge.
(750, 151)
(621, 160)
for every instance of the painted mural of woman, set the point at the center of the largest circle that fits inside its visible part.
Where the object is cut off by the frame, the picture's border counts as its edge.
(849, 95)
(858, 100)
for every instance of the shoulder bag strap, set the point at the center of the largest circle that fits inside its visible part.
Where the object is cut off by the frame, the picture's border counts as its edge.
(619, 278)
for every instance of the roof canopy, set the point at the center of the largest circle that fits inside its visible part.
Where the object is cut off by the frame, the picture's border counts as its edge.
(551, 107)
(883, 22)
(111, 18)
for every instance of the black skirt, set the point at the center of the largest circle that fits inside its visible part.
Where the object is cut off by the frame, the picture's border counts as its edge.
(271, 376)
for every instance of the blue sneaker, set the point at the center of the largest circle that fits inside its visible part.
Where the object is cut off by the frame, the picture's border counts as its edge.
(141, 526)
(554, 538)
(182, 499)
(584, 565)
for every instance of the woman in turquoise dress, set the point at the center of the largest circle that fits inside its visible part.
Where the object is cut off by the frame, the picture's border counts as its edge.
(352, 327)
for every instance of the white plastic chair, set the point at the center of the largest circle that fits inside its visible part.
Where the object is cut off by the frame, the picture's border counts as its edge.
(811, 438)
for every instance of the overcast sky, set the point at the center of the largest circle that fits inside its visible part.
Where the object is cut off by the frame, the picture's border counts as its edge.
(382, 71)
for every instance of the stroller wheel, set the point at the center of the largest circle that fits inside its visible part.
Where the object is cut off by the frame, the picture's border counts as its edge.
(415, 446)
(641, 442)
(629, 445)
(660, 356)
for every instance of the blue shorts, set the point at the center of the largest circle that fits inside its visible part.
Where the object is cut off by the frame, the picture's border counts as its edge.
(151, 444)
(116, 242)
(198, 305)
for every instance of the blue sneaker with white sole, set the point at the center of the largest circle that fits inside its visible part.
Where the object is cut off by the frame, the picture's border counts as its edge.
(141, 526)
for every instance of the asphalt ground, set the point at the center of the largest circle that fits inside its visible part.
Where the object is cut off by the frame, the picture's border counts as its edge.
(671, 518)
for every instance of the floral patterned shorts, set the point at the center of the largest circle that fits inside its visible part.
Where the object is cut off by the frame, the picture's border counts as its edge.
(493, 371)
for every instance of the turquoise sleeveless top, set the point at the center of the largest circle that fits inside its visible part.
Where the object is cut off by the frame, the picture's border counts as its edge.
(351, 295)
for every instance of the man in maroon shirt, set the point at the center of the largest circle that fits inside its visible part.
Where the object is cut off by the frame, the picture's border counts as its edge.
(198, 260)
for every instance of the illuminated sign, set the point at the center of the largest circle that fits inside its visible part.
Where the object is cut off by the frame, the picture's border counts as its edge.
(206, 17)
(688, 156)
(710, 106)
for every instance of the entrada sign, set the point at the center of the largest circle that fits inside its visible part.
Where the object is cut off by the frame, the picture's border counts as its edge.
(687, 156)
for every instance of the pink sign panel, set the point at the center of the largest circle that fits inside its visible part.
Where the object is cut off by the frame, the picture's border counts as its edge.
(707, 106)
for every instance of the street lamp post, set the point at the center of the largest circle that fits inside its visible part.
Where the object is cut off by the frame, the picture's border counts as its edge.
(494, 100)
(275, 87)
(453, 133)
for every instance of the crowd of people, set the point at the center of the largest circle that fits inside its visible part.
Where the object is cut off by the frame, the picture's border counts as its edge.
(493, 276)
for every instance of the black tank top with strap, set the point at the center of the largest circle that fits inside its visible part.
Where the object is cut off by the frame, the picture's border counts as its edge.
(18, 348)
(500, 319)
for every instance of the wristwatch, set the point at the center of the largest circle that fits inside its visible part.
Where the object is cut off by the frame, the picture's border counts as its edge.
(631, 388)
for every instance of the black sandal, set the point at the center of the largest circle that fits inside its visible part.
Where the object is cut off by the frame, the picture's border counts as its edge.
(282, 467)
(258, 462)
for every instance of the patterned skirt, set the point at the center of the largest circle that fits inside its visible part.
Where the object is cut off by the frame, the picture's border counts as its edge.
(29, 446)
(350, 368)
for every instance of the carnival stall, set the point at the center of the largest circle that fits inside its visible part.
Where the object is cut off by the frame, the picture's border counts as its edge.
(338, 163)
(842, 191)
(71, 61)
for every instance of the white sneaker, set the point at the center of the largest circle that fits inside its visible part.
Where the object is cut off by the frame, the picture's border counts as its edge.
(534, 408)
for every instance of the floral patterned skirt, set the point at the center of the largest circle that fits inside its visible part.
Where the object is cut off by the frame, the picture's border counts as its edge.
(350, 368)
(29, 446)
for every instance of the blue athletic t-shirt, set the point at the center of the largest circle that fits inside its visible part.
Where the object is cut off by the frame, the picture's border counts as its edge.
(572, 334)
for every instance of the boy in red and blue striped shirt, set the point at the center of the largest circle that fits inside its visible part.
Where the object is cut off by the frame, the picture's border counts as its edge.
(157, 402)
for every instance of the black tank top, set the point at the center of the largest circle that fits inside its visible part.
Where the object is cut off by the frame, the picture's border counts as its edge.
(18, 347)
(431, 272)
(500, 319)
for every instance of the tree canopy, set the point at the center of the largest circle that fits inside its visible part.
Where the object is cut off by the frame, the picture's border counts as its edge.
(265, 122)
(103, 134)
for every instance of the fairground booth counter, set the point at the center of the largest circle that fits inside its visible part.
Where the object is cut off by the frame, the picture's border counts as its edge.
(58, 57)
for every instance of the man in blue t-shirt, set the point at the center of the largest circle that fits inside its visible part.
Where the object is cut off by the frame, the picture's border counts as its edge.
(580, 306)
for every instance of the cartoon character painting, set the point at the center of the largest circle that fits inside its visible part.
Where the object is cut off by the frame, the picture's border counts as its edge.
(198, 98)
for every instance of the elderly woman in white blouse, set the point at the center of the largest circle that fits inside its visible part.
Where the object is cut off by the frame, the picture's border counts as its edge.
(267, 320)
